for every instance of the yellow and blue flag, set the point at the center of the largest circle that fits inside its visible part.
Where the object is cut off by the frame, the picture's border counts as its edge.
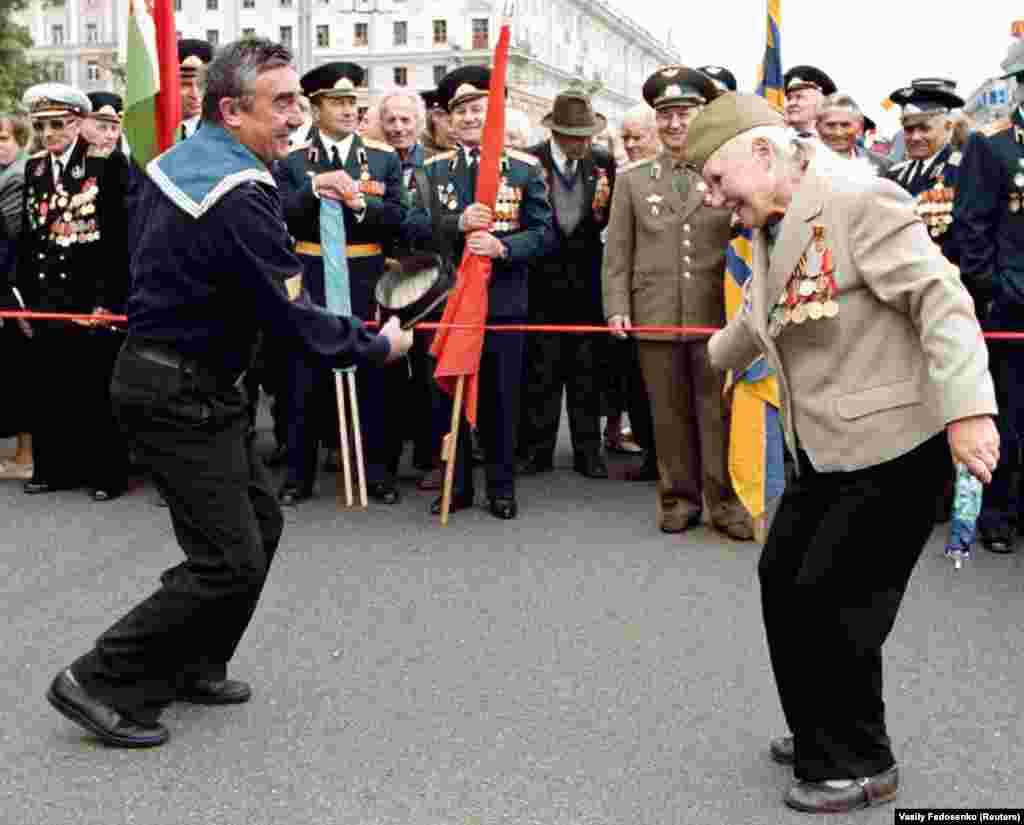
(756, 443)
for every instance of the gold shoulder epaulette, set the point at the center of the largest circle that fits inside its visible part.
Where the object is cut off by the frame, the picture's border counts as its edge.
(378, 145)
(41, 154)
(442, 156)
(636, 164)
(525, 157)
(955, 158)
(996, 127)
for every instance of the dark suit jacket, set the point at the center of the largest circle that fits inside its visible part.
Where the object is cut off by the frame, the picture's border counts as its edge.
(565, 285)
(73, 251)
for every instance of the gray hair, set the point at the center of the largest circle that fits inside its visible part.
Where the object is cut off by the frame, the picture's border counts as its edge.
(419, 107)
(234, 69)
(841, 101)
(642, 115)
(798, 153)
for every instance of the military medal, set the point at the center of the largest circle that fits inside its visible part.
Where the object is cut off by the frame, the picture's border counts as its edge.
(819, 237)
(1018, 180)
(77, 172)
(830, 308)
(1015, 202)
(799, 314)
(814, 310)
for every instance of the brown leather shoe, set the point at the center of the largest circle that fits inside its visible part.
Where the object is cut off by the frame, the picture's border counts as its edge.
(782, 750)
(677, 518)
(841, 796)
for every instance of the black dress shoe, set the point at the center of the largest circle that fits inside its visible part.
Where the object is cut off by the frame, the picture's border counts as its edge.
(278, 456)
(34, 488)
(503, 507)
(460, 501)
(996, 542)
(534, 465)
(383, 492)
(292, 494)
(841, 796)
(782, 750)
(590, 465)
(110, 726)
(102, 494)
(217, 692)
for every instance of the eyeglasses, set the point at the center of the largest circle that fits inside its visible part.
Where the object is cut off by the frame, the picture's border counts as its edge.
(57, 124)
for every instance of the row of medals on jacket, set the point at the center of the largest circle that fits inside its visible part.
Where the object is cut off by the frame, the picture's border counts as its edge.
(506, 206)
(935, 205)
(1017, 195)
(808, 295)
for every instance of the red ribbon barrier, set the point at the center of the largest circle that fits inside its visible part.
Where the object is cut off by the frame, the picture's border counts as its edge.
(426, 325)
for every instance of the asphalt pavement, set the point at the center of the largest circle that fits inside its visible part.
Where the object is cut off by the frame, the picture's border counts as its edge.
(572, 667)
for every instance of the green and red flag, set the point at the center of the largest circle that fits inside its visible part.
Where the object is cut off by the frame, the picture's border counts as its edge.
(458, 348)
(152, 105)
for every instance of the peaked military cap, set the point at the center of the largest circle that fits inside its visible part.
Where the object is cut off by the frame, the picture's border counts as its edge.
(808, 77)
(729, 115)
(1014, 63)
(722, 77)
(106, 106)
(193, 55)
(679, 86)
(927, 97)
(54, 100)
(338, 79)
(462, 85)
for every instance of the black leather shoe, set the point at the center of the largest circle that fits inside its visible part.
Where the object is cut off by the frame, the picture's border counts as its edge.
(292, 494)
(994, 542)
(101, 494)
(590, 465)
(217, 692)
(503, 507)
(278, 456)
(840, 796)
(34, 488)
(782, 750)
(108, 725)
(383, 492)
(460, 501)
(534, 465)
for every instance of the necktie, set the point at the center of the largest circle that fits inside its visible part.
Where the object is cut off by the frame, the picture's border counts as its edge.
(335, 157)
(60, 172)
(474, 168)
(680, 181)
(570, 169)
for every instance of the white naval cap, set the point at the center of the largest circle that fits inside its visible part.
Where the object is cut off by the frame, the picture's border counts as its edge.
(55, 99)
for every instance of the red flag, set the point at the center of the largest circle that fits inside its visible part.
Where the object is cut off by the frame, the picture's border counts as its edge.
(458, 350)
(168, 99)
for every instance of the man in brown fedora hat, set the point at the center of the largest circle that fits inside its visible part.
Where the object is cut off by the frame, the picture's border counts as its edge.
(565, 288)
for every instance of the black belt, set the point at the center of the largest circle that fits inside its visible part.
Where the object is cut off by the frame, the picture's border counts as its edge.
(168, 357)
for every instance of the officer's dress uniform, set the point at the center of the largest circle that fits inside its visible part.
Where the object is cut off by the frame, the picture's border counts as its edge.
(989, 217)
(565, 288)
(312, 408)
(73, 257)
(210, 270)
(524, 226)
(933, 183)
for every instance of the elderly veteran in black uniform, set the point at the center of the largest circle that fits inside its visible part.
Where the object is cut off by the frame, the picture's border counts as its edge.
(366, 176)
(804, 87)
(514, 235)
(932, 167)
(73, 257)
(988, 214)
(565, 288)
(882, 373)
(193, 57)
(212, 267)
(102, 126)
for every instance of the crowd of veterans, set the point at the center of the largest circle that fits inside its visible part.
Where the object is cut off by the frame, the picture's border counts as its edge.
(569, 251)
(870, 277)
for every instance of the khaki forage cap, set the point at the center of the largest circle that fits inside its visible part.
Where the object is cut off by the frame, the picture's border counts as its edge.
(721, 120)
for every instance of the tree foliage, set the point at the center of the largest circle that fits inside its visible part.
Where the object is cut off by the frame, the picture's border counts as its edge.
(17, 72)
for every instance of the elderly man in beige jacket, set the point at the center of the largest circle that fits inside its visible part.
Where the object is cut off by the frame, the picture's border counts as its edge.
(880, 362)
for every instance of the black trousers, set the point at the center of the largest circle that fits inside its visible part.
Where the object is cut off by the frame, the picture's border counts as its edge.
(833, 573)
(75, 438)
(555, 363)
(625, 390)
(191, 437)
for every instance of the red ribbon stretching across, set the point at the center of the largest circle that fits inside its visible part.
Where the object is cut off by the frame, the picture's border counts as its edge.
(562, 328)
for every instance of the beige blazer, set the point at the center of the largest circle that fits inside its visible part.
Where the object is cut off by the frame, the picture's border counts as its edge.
(903, 357)
(664, 256)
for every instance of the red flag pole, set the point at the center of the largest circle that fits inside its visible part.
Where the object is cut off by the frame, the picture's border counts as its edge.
(486, 193)
(168, 99)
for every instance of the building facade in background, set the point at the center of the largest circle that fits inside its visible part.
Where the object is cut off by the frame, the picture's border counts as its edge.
(401, 42)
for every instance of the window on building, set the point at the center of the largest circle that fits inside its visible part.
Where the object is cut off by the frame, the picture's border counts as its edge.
(323, 37)
(401, 75)
(481, 33)
(367, 82)
(177, 5)
(57, 73)
(248, 32)
(440, 32)
(92, 33)
(57, 34)
(213, 37)
(362, 34)
(212, 5)
(285, 36)
(286, 4)
(439, 73)
(248, 4)
(401, 32)
(92, 71)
